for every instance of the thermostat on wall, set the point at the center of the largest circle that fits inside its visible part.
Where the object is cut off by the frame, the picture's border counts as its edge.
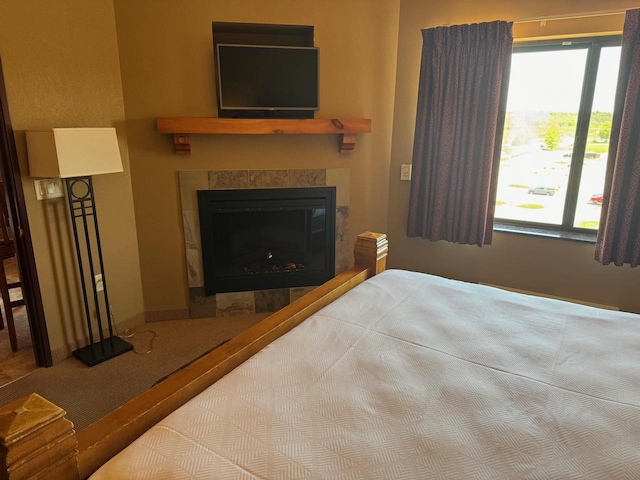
(405, 171)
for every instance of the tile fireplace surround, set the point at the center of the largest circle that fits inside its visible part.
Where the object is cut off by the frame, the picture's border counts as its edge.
(260, 301)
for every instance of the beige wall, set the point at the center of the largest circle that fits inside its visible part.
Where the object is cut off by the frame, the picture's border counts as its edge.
(62, 70)
(167, 70)
(550, 266)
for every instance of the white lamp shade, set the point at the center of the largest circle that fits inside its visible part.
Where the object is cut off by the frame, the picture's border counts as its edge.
(73, 152)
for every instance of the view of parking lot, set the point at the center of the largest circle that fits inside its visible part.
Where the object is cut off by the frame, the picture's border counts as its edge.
(518, 198)
(539, 137)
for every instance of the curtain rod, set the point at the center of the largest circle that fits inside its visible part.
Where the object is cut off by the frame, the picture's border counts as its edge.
(544, 18)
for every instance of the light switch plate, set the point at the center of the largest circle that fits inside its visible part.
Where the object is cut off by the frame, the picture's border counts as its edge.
(405, 171)
(47, 188)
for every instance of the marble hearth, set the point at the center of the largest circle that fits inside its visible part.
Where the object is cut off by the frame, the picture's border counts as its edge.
(260, 301)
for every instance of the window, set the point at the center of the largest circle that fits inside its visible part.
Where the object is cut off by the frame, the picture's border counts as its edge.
(556, 134)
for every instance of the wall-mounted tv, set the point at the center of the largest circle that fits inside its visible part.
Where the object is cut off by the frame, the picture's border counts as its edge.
(267, 80)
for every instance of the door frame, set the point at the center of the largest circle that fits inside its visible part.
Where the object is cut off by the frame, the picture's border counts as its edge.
(10, 171)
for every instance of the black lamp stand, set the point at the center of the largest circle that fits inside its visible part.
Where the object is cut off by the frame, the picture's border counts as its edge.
(82, 207)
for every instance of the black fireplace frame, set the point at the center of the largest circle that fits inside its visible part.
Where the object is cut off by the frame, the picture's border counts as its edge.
(244, 200)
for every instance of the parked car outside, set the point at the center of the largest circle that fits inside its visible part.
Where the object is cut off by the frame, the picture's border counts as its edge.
(596, 199)
(542, 191)
(586, 155)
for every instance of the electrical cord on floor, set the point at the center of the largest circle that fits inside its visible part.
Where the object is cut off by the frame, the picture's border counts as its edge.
(130, 333)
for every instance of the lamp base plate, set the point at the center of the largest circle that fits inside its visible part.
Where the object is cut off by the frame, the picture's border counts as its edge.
(100, 351)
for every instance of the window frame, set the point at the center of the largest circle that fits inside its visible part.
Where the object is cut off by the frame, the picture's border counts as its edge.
(594, 45)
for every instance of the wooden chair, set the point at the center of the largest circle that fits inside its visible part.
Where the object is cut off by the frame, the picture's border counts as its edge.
(7, 250)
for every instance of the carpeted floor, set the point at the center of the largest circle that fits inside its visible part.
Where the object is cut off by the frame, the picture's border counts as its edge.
(88, 394)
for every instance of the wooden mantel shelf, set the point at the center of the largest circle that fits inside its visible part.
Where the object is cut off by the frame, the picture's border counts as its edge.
(181, 128)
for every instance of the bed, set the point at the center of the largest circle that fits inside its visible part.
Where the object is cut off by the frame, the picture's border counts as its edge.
(406, 375)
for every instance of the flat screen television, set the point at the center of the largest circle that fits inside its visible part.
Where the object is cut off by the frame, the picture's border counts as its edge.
(267, 80)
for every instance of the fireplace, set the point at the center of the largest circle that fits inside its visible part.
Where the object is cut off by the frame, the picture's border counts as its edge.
(259, 239)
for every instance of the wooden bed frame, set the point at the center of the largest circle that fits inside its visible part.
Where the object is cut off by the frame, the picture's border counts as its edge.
(37, 441)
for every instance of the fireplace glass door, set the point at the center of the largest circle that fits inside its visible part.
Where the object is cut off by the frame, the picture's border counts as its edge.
(264, 239)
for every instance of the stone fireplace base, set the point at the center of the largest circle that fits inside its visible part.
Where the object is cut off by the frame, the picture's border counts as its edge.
(261, 301)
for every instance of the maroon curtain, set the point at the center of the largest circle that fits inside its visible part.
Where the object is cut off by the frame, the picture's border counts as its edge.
(461, 108)
(619, 233)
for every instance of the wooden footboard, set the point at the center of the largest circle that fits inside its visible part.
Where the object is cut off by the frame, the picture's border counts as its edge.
(36, 441)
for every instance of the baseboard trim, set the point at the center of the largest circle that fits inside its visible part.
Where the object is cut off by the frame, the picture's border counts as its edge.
(62, 353)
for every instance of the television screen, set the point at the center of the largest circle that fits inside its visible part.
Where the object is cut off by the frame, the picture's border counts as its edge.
(259, 77)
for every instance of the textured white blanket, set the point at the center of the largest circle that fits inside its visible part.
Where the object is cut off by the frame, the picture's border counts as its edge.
(411, 376)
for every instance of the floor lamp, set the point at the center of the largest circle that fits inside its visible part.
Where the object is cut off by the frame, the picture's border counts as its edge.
(76, 154)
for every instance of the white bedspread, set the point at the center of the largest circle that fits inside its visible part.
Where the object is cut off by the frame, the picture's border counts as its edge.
(411, 376)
